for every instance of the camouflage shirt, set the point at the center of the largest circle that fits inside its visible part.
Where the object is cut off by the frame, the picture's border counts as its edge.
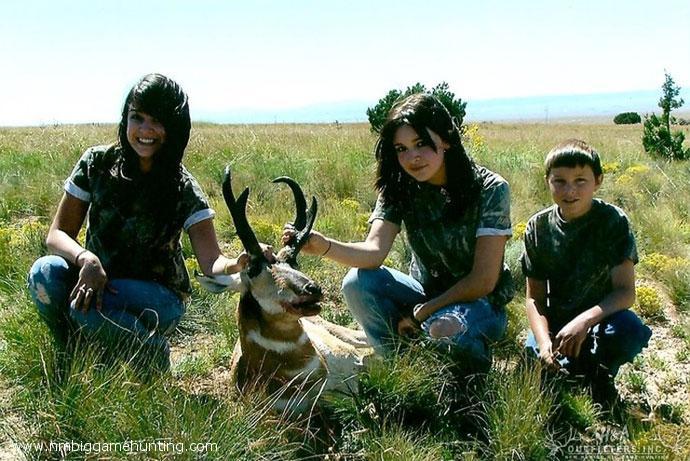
(125, 234)
(443, 247)
(575, 257)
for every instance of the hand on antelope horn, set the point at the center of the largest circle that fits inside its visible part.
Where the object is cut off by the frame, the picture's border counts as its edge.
(316, 244)
(268, 252)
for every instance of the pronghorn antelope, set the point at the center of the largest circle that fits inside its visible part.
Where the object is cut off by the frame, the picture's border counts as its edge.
(283, 344)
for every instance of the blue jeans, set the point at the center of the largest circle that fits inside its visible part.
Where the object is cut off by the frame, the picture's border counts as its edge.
(609, 344)
(137, 317)
(376, 298)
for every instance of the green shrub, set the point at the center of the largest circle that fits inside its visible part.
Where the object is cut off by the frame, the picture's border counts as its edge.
(657, 138)
(660, 142)
(377, 114)
(578, 409)
(636, 381)
(627, 118)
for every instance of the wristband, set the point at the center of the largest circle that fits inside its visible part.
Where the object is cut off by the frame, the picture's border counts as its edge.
(76, 258)
(416, 309)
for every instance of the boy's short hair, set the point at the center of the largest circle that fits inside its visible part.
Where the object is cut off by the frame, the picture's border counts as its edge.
(572, 153)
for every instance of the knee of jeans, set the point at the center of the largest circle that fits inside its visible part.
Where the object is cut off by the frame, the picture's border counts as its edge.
(625, 336)
(46, 268)
(446, 327)
(629, 326)
(359, 280)
(43, 276)
(473, 349)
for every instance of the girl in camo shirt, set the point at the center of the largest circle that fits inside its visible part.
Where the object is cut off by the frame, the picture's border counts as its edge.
(128, 283)
(457, 220)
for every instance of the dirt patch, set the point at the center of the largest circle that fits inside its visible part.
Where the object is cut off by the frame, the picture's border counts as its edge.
(659, 380)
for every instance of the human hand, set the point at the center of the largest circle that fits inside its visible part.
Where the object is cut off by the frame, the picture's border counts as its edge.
(316, 244)
(548, 357)
(91, 284)
(267, 251)
(243, 259)
(421, 312)
(408, 327)
(238, 265)
(569, 340)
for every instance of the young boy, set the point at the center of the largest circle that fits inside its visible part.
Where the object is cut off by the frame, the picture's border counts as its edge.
(579, 262)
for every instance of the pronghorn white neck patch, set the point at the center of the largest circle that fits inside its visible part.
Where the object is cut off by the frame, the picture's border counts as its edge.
(274, 345)
(271, 307)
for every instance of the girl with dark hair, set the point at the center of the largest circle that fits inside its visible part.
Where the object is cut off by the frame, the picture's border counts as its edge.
(129, 284)
(457, 220)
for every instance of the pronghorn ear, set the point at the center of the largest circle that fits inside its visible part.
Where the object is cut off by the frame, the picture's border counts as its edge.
(220, 283)
(255, 266)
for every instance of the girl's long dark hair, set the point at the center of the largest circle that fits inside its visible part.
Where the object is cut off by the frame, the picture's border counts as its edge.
(422, 111)
(162, 98)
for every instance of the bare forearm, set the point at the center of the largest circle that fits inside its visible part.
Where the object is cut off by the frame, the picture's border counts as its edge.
(467, 289)
(353, 254)
(478, 283)
(615, 301)
(537, 322)
(367, 254)
(62, 244)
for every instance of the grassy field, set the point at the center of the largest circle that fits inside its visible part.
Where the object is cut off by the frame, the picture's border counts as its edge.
(408, 409)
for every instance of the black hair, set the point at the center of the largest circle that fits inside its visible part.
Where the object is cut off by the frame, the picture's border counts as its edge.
(421, 111)
(572, 153)
(162, 98)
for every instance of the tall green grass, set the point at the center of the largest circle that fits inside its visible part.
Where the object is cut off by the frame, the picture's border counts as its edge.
(413, 407)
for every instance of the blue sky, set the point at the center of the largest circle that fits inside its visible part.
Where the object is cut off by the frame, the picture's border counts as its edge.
(73, 61)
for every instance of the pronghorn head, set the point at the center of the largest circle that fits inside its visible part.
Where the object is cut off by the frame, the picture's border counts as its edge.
(279, 287)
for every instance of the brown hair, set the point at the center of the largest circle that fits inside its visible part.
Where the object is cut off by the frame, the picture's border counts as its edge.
(572, 153)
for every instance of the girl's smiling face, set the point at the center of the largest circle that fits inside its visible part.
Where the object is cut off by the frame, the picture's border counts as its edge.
(425, 163)
(145, 134)
(572, 189)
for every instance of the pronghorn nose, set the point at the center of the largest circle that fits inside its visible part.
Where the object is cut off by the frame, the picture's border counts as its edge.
(312, 288)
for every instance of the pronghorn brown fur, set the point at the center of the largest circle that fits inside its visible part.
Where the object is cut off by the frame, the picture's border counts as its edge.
(284, 346)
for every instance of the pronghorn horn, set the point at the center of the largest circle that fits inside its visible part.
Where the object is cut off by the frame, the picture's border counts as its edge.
(238, 211)
(303, 235)
(304, 220)
(300, 202)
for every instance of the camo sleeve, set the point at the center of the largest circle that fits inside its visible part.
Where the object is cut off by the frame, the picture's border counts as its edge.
(195, 206)
(385, 211)
(494, 218)
(78, 183)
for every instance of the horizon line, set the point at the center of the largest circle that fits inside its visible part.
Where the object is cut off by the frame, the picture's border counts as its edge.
(301, 114)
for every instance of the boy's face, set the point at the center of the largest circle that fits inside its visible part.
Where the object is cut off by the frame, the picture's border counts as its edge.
(572, 189)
